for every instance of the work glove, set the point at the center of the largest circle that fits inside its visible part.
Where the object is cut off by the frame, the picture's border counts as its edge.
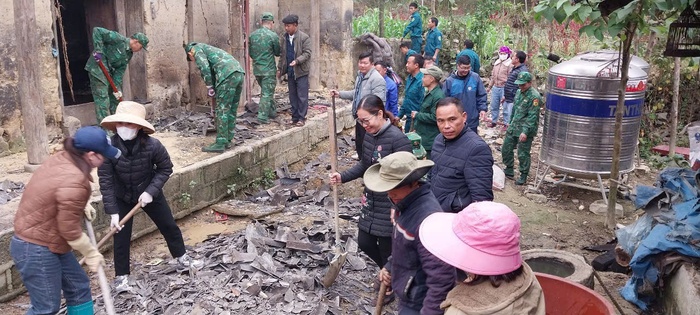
(117, 94)
(145, 199)
(93, 258)
(97, 56)
(210, 91)
(90, 212)
(114, 222)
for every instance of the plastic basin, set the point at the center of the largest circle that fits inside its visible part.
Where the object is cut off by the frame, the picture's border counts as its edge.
(562, 296)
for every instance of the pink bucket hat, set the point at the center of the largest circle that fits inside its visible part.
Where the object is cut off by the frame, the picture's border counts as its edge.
(505, 50)
(482, 239)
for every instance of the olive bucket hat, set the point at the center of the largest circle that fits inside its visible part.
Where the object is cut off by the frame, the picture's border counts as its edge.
(395, 170)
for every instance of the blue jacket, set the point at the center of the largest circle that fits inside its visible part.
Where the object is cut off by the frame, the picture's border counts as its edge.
(433, 41)
(419, 279)
(463, 171)
(392, 96)
(470, 90)
(412, 98)
(415, 27)
(511, 88)
(473, 57)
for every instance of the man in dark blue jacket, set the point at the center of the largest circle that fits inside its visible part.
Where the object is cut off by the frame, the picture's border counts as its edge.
(419, 279)
(511, 88)
(466, 85)
(463, 171)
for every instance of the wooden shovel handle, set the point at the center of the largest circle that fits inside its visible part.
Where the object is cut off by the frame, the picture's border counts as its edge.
(380, 299)
(113, 231)
(104, 285)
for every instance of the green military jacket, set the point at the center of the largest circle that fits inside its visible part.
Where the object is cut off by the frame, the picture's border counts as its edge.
(215, 64)
(425, 121)
(116, 54)
(264, 46)
(526, 113)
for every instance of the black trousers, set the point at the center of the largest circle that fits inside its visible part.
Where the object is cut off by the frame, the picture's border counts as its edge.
(377, 248)
(299, 97)
(162, 216)
(359, 138)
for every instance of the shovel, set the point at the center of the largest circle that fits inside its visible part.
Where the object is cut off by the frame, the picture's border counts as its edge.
(104, 285)
(380, 299)
(340, 255)
(114, 230)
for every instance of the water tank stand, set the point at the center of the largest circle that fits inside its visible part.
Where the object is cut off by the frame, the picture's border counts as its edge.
(543, 176)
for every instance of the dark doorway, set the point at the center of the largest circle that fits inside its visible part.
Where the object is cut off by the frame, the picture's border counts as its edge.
(79, 17)
(76, 35)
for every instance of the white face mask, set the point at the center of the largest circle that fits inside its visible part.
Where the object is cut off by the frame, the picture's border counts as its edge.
(127, 133)
(502, 57)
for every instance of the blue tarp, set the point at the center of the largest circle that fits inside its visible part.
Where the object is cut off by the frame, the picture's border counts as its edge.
(676, 229)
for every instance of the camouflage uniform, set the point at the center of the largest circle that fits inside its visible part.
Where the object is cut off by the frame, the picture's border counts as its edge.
(264, 46)
(116, 54)
(526, 113)
(222, 72)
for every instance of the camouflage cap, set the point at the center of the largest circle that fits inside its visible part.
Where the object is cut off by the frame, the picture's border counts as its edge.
(433, 71)
(523, 77)
(267, 16)
(142, 39)
(187, 48)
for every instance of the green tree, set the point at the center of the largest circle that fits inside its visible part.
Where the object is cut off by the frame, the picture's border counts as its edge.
(621, 19)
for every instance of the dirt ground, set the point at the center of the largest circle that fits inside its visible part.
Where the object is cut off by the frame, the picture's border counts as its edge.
(561, 222)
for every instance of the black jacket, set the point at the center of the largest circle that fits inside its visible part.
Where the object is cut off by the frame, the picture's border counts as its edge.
(144, 167)
(463, 171)
(375, 216)
(510, 88)
(421, 280)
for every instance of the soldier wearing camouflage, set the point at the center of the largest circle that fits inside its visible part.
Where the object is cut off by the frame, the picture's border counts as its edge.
(264, 46)
(522, 128)
(115, 52)
(223, 76)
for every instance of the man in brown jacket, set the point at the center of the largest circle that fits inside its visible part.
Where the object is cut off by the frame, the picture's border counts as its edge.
(294, 62)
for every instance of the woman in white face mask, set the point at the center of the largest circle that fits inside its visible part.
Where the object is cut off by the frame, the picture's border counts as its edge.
(499, 75)
(137, 176)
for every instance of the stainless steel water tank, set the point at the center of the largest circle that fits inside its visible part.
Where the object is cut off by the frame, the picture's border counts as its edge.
(609, 54)
(579, 120)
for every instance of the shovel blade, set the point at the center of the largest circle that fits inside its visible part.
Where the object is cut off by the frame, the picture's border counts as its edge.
(333, 270)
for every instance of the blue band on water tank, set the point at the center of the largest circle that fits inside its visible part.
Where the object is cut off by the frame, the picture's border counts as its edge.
(592, 108)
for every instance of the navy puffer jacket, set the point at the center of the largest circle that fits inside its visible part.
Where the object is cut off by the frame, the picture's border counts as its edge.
(375, 215)
(463, 171)
(420, 280)
(144, 167)
(511, 88)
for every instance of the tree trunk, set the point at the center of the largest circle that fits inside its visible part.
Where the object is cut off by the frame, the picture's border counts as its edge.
(619, 112)
(432, 8)
(381, 18)
(31, 103)
(674, 106)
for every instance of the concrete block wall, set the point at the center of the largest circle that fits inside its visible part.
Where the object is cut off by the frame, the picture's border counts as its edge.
(202, 184)
(681, 294)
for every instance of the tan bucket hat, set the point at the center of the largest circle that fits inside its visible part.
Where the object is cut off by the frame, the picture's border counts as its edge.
(128, 112)
(395, 170)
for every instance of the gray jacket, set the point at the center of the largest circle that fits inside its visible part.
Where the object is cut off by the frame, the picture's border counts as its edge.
(371, 83)
(302, 54)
